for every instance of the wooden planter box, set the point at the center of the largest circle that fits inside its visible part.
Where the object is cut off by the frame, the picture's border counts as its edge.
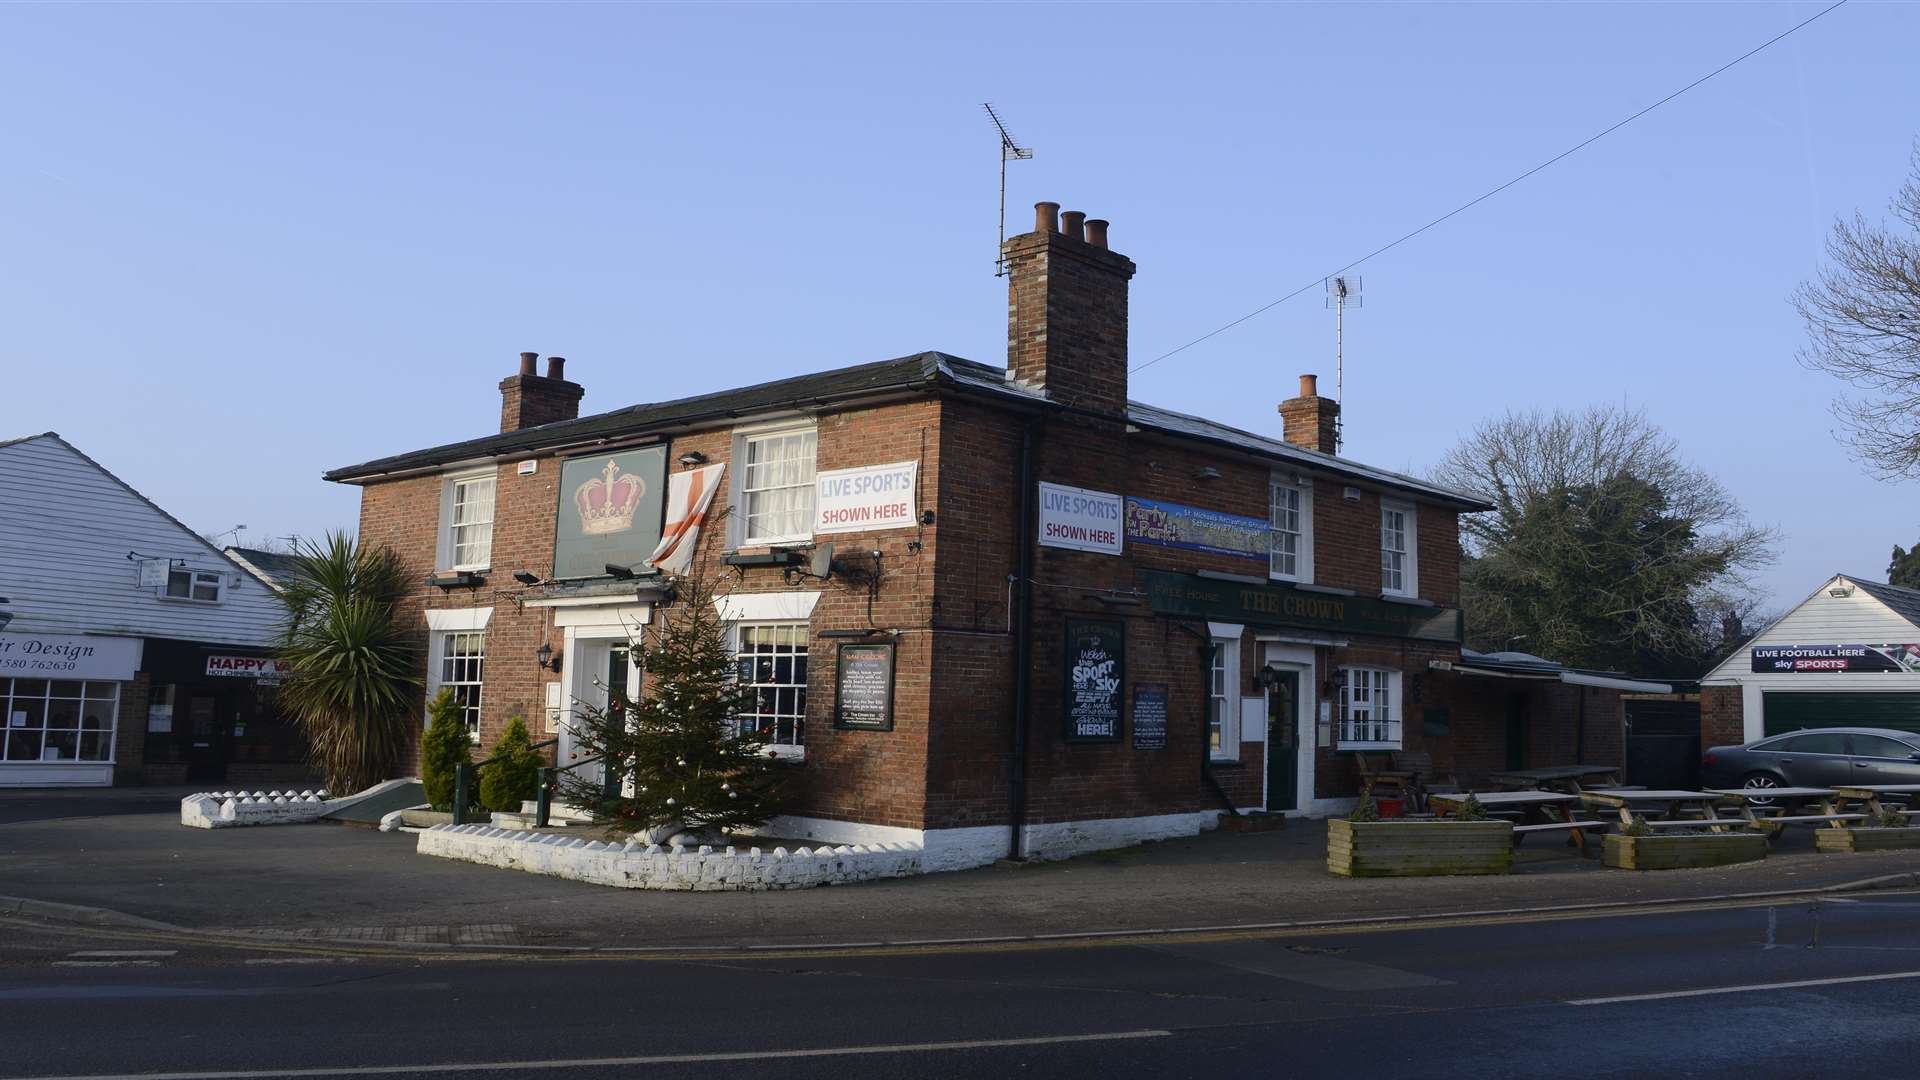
(1418, 848)
(1851, 839)
(1679, 852)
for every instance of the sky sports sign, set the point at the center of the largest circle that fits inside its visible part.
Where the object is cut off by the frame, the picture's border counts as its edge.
(1079, 520)
(1834, 659)
(866, 498)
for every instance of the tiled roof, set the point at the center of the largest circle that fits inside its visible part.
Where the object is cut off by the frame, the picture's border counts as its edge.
(919, 372)
(275, 566)
(1904, 602)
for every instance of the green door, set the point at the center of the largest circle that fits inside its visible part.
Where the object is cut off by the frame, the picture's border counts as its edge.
(1283, 743)
(1791, 710)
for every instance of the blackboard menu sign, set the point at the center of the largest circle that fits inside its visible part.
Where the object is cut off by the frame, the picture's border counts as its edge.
(865, 682)
(1096, 670)
(1150, 716)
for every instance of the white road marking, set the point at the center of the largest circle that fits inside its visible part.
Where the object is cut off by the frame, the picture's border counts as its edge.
(105, 963)
(1747, 989)
(620, 1062)
(105, 954)
(304, 960)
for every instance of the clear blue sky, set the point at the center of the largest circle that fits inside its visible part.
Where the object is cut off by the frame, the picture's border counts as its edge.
(242, 244)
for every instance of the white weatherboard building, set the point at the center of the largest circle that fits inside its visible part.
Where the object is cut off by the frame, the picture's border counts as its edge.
(130, 648)
(1846, 656)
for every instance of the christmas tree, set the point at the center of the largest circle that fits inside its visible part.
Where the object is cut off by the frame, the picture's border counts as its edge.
(679, 760)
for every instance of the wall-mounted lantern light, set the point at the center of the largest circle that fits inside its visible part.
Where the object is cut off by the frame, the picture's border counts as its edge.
(548, 661)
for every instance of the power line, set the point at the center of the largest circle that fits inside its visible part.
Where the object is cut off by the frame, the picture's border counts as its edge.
(1463, 207)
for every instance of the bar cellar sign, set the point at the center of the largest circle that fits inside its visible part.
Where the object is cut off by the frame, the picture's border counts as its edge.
(1096, 670)
(865, 683)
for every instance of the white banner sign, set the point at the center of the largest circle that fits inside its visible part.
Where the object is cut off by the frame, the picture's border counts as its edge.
(870, 497)
(264, 668)
(1079, 519)
(68, 656)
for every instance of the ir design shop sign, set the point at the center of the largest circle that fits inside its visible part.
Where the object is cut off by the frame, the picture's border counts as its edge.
(1079, 520)
(610, 511)
(68, 656)
(864, 700)
(1832, 659)
(866, 498)
(1096, 670)
(1190, 527)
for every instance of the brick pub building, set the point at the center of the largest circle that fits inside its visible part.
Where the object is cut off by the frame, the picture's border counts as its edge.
(1056, 619)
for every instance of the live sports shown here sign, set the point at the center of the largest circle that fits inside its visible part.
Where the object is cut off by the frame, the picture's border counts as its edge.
(611, 506)
(1831, 659)
(1096, 670)
(1079, 520)
(866, 498)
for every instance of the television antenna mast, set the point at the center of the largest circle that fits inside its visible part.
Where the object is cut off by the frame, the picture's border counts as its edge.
(1342, 290)
(1009, 151)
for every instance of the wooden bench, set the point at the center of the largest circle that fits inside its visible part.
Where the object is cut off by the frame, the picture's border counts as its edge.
(1559, 826)
(1791, 819)
(1694, 823)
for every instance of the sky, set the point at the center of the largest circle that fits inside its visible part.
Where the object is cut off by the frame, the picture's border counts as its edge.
(245, 244)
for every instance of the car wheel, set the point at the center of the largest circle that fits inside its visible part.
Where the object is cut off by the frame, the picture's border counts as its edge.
(1759, 782)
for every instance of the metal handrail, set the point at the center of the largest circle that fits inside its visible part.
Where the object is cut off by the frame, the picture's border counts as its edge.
(463, 779)
(543, 805)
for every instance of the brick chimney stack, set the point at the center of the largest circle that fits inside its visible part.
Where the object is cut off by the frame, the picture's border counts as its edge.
(1311, 420)
(1067, 311)
(529, 400)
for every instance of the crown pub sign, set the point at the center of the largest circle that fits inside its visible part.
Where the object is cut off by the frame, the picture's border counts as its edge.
(611, 510)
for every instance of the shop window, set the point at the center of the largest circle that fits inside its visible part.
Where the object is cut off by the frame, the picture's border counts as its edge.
(466, 535)
(1369, 709)
(1290, 530)
(776, 486)
(1223, 701)
(199, 585)
(772, 660)
(58, 719)
(1398, 570)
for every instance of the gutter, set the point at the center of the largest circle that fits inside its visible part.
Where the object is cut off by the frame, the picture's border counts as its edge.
(1023, 650)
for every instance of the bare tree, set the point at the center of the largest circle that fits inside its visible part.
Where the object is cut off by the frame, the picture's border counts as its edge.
(1863, 327)
(1604, 547)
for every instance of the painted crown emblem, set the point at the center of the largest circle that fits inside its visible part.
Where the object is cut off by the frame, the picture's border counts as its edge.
(607, 502)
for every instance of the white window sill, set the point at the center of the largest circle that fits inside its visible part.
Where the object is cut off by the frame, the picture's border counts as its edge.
(1406, 598)
(1344, 746)
(1224, 759)
(776, 542)
(788, 753)
(186, 600)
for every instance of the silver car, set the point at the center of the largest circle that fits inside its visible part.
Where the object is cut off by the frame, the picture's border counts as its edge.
(1816, 757)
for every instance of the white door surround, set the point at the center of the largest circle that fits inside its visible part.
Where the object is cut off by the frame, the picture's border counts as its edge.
(1299, 659)
(590, 634)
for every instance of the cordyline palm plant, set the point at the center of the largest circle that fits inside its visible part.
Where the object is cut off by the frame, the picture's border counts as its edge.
(351, 683)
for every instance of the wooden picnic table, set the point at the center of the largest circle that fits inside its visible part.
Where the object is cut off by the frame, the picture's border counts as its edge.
(1571, 778)
(1869, 797)
(1791, 799)
(1548, 810)
(1673, 806)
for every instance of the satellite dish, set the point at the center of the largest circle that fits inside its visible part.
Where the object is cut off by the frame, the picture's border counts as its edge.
(822, 567)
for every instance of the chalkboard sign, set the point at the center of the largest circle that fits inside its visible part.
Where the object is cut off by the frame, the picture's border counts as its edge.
(865, 681)
(1150, 716)
(1096, 671)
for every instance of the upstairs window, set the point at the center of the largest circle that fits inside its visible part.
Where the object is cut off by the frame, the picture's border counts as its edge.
(1369, 719)
(194, 585)
(1290, 530)
(776, 486)
(1398, 574)
(469, 538)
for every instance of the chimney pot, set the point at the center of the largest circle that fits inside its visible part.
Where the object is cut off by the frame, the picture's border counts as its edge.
(1073, 223)
(556, 367)
(1097, 232)
(1046, 217)
(527, 361)
(1309, 386)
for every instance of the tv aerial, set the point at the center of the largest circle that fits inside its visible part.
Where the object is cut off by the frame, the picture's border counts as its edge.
(1009, 151)
(1343, 291)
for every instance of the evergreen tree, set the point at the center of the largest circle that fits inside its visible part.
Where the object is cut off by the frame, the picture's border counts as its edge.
(515, 777)
(683, 760)
(1904, 568)
(444, 747)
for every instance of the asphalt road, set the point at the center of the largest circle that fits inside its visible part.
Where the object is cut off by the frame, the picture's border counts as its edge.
(1785, 990)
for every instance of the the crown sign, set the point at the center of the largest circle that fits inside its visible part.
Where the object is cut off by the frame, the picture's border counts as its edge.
(607, 502)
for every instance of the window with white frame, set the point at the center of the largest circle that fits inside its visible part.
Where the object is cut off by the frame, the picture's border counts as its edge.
(468, 537)
(1369, 716)
(57, 719)
(776, 486)
(463, 659)
(1290, 530)
(199, 585)
(1398, 576)
(1223, 701)
(772, 660)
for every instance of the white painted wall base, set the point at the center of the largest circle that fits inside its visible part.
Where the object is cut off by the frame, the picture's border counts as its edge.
(961, 849)
(634, 865)
(225, 809)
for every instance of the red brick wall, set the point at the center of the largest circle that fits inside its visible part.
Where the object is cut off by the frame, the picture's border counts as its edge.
(1722, 717)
